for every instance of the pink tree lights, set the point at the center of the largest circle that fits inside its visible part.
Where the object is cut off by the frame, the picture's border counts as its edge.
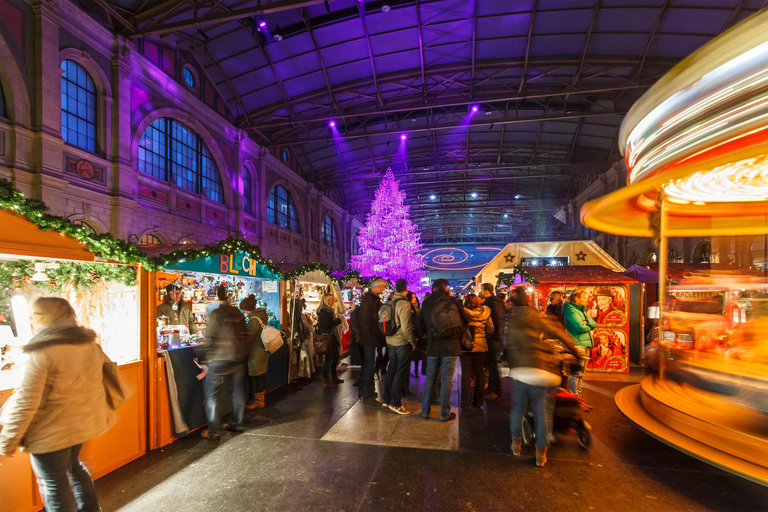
(390, 244)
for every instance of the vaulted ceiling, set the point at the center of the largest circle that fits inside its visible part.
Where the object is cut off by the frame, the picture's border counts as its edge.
(551, 81)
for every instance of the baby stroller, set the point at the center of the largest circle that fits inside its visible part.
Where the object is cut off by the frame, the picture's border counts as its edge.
(567, 416)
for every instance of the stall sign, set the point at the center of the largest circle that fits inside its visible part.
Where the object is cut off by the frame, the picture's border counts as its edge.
(237, 264)
(269, 287)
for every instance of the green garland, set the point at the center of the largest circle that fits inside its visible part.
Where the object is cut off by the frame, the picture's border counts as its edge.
(509, 278)
(111, 248)
(79, 274)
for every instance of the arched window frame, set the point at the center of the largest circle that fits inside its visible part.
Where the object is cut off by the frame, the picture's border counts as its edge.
(172, 151)
(78, 106)
(149, 239)
(704, 253)
(355, 243)
(2, 103)
(634, 259)
(672, 255)
(281, 210)
(247, 191)
(328, 232)
(103, 95)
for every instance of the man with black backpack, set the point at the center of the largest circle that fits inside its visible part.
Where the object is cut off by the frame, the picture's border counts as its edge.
(496, 305)
(396, 324)
(370, 337)
(446, 323)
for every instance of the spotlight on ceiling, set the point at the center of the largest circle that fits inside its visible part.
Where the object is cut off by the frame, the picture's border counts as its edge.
(426, 168)
(433, 197)
(518, 196)
(262, 23)
(332, 124)
(385, 8)
(474, 108)
(403, 137)
(506, 215)
(474, 194)
(413, 119)
(479, 164)
(277, 35)
(488, 112)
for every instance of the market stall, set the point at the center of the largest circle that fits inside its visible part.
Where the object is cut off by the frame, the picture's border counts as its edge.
(106, 298)
(179, 373)
(612, 304)
(696, 157)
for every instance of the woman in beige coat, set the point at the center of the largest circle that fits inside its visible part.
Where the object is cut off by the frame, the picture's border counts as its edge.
(473, 362)
(60, 404)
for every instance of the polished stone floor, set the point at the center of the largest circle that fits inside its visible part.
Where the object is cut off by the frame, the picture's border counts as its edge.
(320, 449)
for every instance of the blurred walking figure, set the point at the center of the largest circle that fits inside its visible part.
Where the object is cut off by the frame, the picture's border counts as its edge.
(226, 349)
(445, 322)
(496, 305)
(258, 359)
(326, 321)
(60, 404)
(534, 364)
(473, 362)
(580, 325)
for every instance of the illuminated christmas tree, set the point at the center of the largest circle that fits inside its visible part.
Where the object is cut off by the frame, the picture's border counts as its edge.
(390, 244)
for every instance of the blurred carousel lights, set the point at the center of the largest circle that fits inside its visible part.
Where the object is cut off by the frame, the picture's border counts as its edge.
(742, 181)
(704, 115)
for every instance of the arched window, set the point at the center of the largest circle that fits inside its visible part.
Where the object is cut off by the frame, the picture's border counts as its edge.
(2, 102)
(328, 232)
(355, 244)
(634, 260)
(758, 243)
(78, 106)
(85, 225)
(650, 257)
(281, 210)
(148, 239)
(705, 253)
(247, 191)
(171, 151)
(672, 256)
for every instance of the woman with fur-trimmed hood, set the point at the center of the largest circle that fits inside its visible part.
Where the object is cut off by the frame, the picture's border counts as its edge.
(60, 404)
(473, 361)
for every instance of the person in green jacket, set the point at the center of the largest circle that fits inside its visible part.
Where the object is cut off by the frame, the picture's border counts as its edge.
(258, 359)
(580, 326)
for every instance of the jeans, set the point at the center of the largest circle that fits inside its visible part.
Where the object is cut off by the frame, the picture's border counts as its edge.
(397, 372)
(55, 472)
(218, 372)
(542, 403)
(369, 363)
(446, 365)
(577, 376)
(472, 363)
(330, 362)
(492, 363)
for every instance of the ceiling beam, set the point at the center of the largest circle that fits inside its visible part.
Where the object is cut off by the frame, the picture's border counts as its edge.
(585, 46)
(474, 45)
(308, 24)
(421, 53)
(230, 15)
(521, 87)
(647, 46)
(361, 9)
(116, 15)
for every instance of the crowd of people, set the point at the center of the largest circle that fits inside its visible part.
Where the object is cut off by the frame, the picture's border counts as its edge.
(63, 402)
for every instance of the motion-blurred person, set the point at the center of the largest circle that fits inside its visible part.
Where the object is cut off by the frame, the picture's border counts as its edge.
(473, 362)
(326, 321)
(445, 322)
(496, 305)
(226, 349)
(258, 359)
(60, 404)
(419, 353)
(370, 338)
(535, 367)
(555, 306)
(399, 348)
(580, 326)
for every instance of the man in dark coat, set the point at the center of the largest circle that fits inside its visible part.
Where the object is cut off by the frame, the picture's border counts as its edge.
(496, 305)
(443, 346)
(370, 337)
(226, 349)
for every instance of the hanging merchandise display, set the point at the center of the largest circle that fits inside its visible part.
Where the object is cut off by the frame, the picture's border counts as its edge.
(390, 244)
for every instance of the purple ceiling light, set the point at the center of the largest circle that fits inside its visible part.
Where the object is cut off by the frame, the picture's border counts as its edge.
(332, 124)
(403, 137)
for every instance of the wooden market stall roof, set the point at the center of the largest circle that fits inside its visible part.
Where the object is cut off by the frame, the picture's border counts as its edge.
(649, 272)
(22, 237)
(584, 274)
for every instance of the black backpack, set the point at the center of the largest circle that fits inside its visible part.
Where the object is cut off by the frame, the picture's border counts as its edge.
(354, 322)
(388, 318)
(446, 319)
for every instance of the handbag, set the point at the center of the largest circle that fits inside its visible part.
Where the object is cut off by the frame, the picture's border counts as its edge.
(114, 389)
(324, 344)
(468, 339)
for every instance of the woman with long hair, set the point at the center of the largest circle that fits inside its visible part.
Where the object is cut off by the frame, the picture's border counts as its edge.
(555, 306)
(60, 404)
(473, 361)
(258, 359)
(326, 321)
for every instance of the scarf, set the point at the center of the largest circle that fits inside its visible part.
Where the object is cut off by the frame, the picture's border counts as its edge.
(62, 332)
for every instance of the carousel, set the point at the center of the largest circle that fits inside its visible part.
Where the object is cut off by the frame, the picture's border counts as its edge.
(696, 150)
